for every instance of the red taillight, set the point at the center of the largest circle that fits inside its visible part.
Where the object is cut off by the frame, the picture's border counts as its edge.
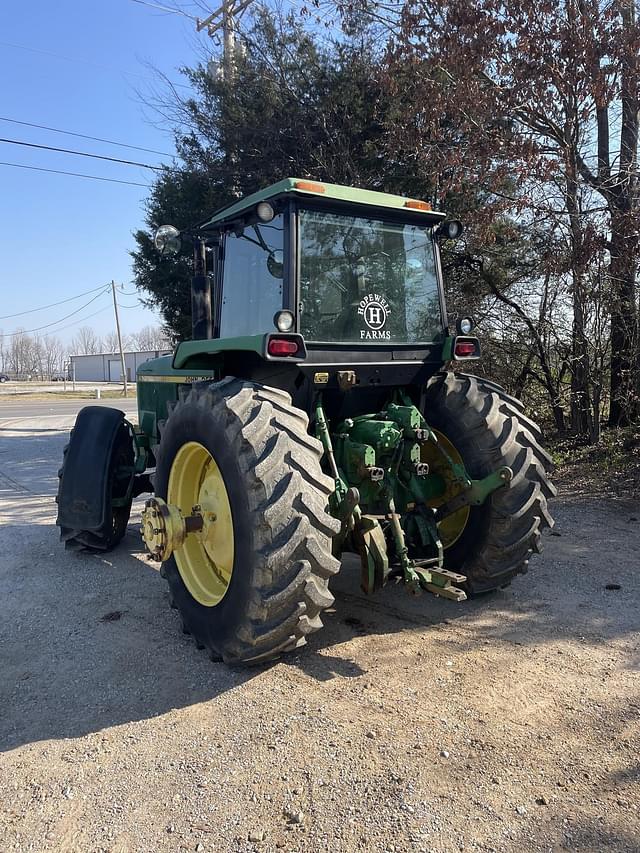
(465, 349)
(280, 346)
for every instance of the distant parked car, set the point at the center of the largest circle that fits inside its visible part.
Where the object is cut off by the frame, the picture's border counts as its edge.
(4, 377)
(58, 377)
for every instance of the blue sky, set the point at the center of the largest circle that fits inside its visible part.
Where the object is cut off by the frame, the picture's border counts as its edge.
(78, 66)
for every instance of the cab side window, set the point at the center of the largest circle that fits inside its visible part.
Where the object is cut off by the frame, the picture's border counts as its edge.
(252, 280)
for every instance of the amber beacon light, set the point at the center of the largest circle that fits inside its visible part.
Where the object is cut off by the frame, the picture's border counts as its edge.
(309, 187)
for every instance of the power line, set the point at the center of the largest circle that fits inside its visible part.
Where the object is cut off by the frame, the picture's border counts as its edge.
(70, 325)
(62, 319)
(79, 320)
(80, 153)
(51, 305)
(74, 174)
(166, 9)
(86, 136)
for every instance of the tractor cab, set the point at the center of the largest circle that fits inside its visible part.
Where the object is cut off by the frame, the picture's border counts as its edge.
(332, 264)
(343, 284)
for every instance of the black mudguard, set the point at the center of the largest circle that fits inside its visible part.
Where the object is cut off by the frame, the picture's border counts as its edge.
(84, 500)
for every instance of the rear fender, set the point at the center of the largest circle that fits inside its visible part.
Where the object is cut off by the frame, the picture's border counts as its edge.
(84, 498)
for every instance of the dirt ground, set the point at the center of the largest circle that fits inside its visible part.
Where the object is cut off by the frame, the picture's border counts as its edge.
(509, 723)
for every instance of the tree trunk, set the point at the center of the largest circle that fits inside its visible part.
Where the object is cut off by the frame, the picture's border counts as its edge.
(624, 237)
(624, 321)
(580, 368)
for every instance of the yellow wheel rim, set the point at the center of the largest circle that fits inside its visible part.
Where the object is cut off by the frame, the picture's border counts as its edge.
(451, 527)
(205, 559)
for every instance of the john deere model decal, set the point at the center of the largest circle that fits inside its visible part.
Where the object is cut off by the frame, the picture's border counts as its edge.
(374, 309)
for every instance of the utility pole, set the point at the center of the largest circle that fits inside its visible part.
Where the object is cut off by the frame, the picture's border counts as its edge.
(224, 18)
(228, 42)
(122, 363)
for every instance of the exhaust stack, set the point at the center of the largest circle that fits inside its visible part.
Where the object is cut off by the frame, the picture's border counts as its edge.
(201, 324)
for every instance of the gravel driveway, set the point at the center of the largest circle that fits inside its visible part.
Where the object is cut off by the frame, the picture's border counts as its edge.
(509, 723)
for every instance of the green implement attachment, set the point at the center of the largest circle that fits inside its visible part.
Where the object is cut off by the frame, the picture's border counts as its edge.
(384, 494)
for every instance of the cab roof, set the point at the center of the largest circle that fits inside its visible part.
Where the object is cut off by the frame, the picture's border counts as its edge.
(306, 187)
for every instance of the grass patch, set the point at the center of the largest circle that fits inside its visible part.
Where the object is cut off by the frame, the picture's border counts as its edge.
(66, 395)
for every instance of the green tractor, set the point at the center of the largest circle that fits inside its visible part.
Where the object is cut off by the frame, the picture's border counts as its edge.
(318, 410)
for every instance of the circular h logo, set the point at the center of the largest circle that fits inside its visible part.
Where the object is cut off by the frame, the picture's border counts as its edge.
(375, 315)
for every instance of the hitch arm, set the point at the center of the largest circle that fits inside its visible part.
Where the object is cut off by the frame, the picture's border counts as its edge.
(477, 493)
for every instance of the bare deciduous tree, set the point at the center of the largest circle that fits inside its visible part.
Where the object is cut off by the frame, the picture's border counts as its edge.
(111, 343)
(86, 342)
(151, 338)
(53, 353)
(23, 355)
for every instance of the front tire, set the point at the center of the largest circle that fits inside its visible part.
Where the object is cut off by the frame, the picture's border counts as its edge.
(489, 430)
(117, 517)
(277, 586)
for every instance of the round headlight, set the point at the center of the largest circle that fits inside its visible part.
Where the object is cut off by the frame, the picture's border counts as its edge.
(167, 240)
(265, 211)
(465, 325)
(283, 321)
(451, 230)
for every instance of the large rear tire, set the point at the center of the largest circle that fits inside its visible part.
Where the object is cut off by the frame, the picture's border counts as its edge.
(489, 429)
(253, 447)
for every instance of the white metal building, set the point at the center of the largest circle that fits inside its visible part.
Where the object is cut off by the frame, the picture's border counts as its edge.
(106, 367)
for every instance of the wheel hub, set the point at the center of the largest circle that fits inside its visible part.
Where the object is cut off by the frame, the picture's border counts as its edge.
(164, 528)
